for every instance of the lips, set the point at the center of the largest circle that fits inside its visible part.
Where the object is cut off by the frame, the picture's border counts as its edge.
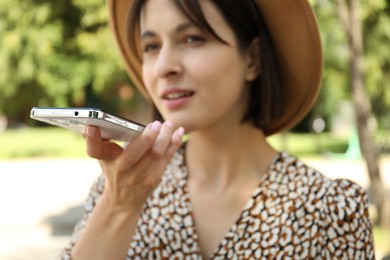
(175, 98)
(177, 95)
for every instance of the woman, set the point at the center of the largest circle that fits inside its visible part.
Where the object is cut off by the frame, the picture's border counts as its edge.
(230, 73)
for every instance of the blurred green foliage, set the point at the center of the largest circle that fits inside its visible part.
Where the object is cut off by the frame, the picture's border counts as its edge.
(62, 53)
(56, 53)
(375, 16)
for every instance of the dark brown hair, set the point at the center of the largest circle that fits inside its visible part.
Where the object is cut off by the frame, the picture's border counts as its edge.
(247, 23)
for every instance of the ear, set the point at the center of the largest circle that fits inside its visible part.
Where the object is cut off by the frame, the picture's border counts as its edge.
(253, 58)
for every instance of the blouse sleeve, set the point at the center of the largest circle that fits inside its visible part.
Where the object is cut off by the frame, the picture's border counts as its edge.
(348, 230)
(93, 197)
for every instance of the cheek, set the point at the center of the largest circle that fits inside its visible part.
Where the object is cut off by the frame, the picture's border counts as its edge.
(148, 79)
(223, 73)
(145, 75)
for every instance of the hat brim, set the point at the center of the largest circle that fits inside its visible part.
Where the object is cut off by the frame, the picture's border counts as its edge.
(295, 34)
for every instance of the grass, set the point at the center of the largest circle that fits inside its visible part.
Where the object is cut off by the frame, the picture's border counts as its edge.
(54, 142)
(47, 142)
(309, 145)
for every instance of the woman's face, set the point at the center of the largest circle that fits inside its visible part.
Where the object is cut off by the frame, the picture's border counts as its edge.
(195, 80)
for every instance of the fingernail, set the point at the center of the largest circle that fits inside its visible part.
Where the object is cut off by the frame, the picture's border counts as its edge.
(91, 131)
(156, 126)
(168, 123)
(180, 131)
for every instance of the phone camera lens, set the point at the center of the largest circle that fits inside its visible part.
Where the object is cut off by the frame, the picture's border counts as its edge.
(76, 113)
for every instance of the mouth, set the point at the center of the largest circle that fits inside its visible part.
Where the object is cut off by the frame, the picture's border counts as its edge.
(174, 94)
(176, 98)
(177, 95)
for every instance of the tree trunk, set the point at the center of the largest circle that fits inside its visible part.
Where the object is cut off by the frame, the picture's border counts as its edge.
(349, 15)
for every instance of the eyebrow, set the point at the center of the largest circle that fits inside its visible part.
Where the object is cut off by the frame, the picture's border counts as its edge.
(181, 27)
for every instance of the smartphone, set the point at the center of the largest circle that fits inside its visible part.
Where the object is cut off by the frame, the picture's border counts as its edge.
(112, 127)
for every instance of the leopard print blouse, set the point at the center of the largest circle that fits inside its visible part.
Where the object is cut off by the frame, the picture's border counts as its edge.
(294, 213)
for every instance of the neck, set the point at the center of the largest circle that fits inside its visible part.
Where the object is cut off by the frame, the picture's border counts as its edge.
(219, 157)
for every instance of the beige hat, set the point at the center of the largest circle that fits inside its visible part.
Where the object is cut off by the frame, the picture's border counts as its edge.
(295, 34)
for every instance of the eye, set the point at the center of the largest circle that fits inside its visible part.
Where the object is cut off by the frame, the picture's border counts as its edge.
(193, 39)
(150, 47)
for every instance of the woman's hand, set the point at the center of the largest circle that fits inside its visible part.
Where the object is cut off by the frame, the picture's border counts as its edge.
(132, 173)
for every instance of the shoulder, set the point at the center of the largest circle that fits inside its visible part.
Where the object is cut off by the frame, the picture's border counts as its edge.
(347, 199)
(321, 191)
(302, 178)
(291, 175)
(337, 201)
(339, 207)
(347, 221)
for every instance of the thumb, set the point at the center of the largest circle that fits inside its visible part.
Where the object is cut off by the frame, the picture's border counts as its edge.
(98, 148)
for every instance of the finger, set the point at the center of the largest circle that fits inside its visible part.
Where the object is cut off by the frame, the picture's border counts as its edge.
(97, 147)
(135, 150)
(158, 168)
(176, 141)
(156, 164)
(163, 139)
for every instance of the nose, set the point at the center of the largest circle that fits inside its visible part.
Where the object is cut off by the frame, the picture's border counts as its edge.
(168, 62)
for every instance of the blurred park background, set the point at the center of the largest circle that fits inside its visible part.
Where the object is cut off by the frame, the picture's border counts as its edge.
(62, 53)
